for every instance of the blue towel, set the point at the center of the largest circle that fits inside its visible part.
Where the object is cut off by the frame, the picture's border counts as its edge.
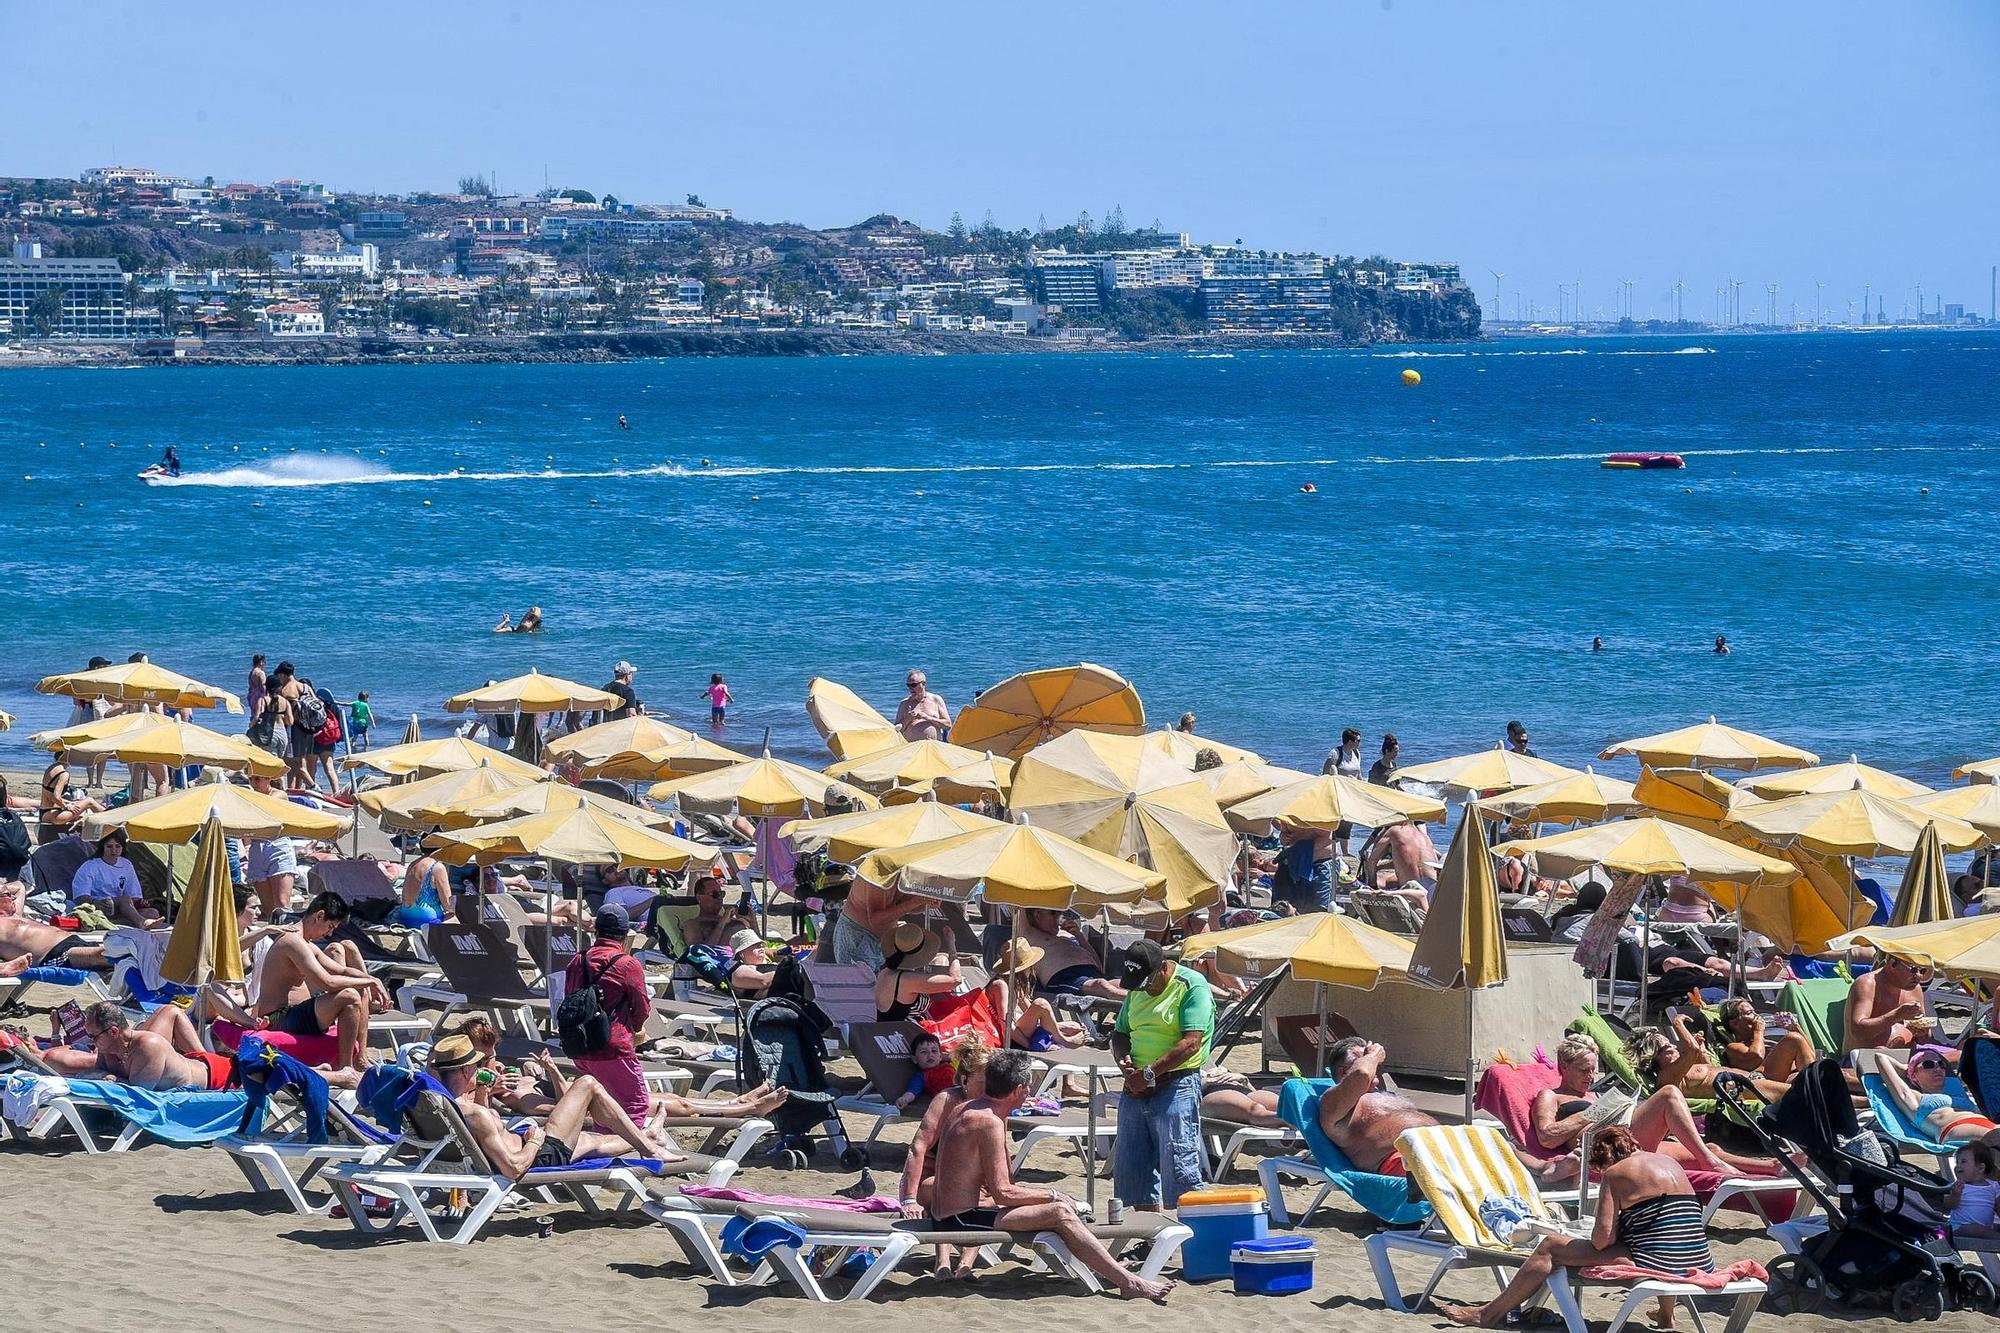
(387, 1091)
(750, 1240)
(266, 1069)
(1889, 1117)
(57, 976)
(180, 1116)
(1388, 1197)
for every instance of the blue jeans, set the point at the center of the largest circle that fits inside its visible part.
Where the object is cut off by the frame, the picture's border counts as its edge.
(1159, 1136)
(1316, 896)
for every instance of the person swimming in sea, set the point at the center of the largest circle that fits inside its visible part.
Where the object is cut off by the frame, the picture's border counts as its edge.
(623, 424)
(531, 622)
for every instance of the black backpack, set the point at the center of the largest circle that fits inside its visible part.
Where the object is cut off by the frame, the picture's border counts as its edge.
(582, 1025)
(309, 711)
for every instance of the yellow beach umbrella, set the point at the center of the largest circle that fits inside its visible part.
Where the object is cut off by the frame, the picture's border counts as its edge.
(1318, 946)
(850, 725)
(1243, 779)
(847, 838)
(1848, 776)
(97, 729)
(164, 740)
(680, 759)
(1851, 823)
(140, 682)
(989, 775)
(1963, 948)
(758, 787)
(594, 746)
(584, 836)
(1494, 770)
(1129, 800)
(204, 945)
(1330, 800)
(1461, 943)
(1023, 711)
(447, 754)
(533, 693)
(1978, 804)
(401, 807)
(534, 798)
(1985, 770)
(243, 813)
(1712, 745)
(6, 721)
(1184, 747)
(1586, 798)
(910, 764)
(1925, 895)
(1018, 865)
(414, 732)
(1648, 846)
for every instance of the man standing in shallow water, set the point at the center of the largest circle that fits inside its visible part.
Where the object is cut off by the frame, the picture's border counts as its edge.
(922, 716)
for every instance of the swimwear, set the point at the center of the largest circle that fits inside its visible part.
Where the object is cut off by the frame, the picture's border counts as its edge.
(59, 952)
(1070, 981)
(1666, 1234)
(221, 1069)
(1564, 1110)
(1978, 1122)
(971, 1219)
(553, 1152)
(1392, 1165)
(300, 1020)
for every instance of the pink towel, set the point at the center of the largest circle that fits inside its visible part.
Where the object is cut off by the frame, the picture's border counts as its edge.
(1693, 1277)
(1507, 1093)
(878, 1204)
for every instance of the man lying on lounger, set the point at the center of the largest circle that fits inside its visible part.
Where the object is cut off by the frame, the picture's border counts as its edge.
(972, 1167)
(160, 1054)
(26, 942)
(562, 1139)
(1363, 1121)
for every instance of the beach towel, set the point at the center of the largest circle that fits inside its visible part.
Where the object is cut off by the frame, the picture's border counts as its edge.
(1708, 1280)
(265, 1070)
(1387, 1197)
(26, 1092)
(321, 1050)
(1891, 1120)
(387, 1091)
(179, 1116)
(877, 1204)
(1820, 1005)
(1508, 1092)
(57, 976)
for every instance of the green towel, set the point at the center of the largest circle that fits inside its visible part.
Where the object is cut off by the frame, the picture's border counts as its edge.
(1820, 1005)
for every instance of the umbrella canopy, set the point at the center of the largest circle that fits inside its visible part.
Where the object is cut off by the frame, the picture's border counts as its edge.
(243, 813)
(163, 740)
(1588, 797)
(989, 775)
(1967, 947)
(97, 729)
(403, 806)
(1925, 895)
(1129, 800)
(1711, 745)
(6, 721)
(532, 798)
(1242, 779)
(1648, 847)
(1022, 711)
(1461, 943)
(204, 945)
(849, 724)
(1015, 864)
(911, 764)
(593, 747)
(583, 836)
(1985, 770)
(1319, 946)
(758, 787)
(140, 682)
(1978, 804)
(1850, 776)
(848, 837)
(1330, 800)
(1850, 823)
(678, 760)
(446, 755)
(533, 693)
(1182, 747)
(1497, 769)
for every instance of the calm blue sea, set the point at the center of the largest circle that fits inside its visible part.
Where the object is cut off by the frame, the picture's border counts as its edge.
(975, 516)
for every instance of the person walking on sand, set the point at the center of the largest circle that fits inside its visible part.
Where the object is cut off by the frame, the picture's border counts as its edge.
(719, 699)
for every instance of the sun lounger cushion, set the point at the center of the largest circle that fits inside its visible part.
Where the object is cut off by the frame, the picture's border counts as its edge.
(1889, 1117)
(323, 1050)
(1387, 1197)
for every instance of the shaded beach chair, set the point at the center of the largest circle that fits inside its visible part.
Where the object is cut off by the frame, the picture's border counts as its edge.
(482, 970)
(1891, 1121)
(1390, 911)
(1458, 1168)
(1387, 1197)
(845, 992)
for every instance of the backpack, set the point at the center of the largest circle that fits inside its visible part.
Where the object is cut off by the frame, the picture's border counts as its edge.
(582, 1025)
(330, 733)
(309, 711)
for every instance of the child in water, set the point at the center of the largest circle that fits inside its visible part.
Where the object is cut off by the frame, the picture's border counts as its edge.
(360, 720)
(719, 699)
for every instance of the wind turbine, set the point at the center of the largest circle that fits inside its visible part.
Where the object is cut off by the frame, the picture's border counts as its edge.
(1497, 275)
(1679, 287)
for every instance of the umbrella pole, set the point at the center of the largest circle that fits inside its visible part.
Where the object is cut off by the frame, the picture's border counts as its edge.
(1736, 977)
(1645, 951)
(1471, 1054)
(1319, 1029)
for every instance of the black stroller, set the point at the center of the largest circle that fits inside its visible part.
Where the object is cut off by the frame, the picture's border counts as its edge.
(1885, 1240)
(781, 1044)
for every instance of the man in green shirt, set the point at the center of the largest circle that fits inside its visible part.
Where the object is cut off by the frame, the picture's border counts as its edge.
(1161, 1042)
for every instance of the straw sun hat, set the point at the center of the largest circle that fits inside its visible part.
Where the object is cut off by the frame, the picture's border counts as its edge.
(1018, 956)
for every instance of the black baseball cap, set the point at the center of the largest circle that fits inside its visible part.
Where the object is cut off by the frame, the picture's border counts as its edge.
(1142, 960)
(613, 922)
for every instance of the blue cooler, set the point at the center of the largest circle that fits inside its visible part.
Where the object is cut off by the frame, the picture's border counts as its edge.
(1221, 1219)
(1274, 1266)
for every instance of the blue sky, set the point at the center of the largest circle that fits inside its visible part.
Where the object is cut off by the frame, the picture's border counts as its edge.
(1769, 142)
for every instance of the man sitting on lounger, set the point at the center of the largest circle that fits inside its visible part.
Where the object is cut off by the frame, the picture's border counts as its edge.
(972, 1168)
(1885, 1008)
(1068, 965)
(305, 991)
(147, 1056)
(1364, 1122)
(561, 1140)
(26, 942)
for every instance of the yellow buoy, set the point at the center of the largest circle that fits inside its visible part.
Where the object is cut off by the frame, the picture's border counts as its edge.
(1412, 377)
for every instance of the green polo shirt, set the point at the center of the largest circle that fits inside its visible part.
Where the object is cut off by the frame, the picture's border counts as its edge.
(1156, 1022)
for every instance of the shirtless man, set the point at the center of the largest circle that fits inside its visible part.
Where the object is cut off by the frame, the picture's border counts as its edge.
(141, 1056)
(710, 923)
(972, 1169)
(1414, 857)
(26, 943)
(1068, 965)
(866, 918)
(1885, 1007)
(562, 1139)
(1364, 1122)
(304, 991)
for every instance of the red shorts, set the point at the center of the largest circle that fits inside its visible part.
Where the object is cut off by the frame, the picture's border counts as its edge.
(221, 1069)
(1393, 1166)
(622, 1078)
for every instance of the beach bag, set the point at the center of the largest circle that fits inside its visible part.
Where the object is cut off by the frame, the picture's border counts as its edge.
(308, 711)
(330, 733)
(582, 1025)
(953, 1018)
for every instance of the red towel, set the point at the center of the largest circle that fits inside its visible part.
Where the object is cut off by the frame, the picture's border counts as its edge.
(1507, 1093)
(1693, 1277)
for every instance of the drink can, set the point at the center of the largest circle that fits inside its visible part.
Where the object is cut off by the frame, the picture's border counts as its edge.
(1115, 1212)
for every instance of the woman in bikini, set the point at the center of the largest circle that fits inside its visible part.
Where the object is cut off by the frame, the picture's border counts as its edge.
(1661, 1122)
(914, 969)
(1748, 1049)
(1681, 1061)
(1923, 1097)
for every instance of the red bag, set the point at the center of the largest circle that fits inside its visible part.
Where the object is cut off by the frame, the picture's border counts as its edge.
(953, 1018)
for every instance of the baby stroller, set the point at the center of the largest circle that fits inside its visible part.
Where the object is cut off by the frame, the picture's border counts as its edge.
(782, 1044)
(1885, 1238)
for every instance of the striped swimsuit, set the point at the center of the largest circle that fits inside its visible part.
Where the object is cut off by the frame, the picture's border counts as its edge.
(1666, 1234)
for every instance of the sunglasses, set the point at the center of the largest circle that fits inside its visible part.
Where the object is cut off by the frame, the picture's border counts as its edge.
(1927, 1063)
